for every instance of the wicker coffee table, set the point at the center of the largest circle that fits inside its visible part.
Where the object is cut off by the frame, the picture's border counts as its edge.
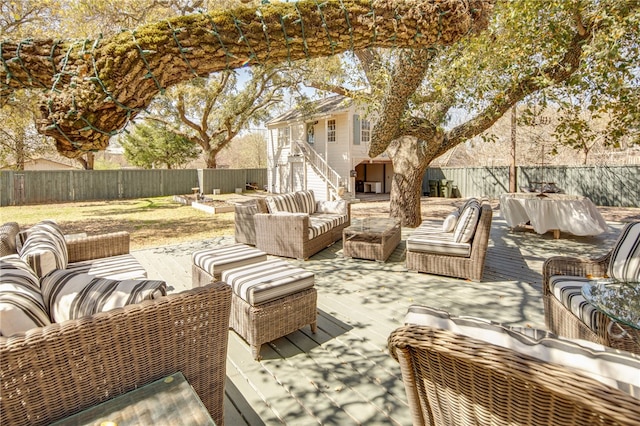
(371, 238)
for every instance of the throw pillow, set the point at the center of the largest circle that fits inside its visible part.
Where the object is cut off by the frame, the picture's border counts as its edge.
(332, 207)
(70, 295)
(450, 221)
(625, 257)
(283, 203)
(466, 226)
(306, 201)
(45, 248)
(615, 368)
(21, 304)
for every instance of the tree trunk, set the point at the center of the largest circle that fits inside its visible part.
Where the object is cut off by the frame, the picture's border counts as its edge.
(210, 159)
(410, 160)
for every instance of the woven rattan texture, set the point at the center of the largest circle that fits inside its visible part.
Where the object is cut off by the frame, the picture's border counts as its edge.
(470, 268)
(378, 247)
(53, 372)
(454, 380)
(98, 246)
(288, 236)
(272, 320)
(560, 320)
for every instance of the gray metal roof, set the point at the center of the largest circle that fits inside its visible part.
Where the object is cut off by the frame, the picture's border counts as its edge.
(320, 107)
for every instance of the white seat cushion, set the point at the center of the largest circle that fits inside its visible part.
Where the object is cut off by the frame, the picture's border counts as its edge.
(265, 281)
(568, 290)
(437, 243)
(618, 369)
(216, 260)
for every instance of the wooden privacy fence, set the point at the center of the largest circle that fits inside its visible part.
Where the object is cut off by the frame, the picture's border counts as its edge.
(617, 186)
(54, 186)
(605, 185)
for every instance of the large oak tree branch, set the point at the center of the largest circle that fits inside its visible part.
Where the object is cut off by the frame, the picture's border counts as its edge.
(96, 86)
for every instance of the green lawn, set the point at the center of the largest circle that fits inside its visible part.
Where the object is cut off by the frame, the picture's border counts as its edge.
(150, 221)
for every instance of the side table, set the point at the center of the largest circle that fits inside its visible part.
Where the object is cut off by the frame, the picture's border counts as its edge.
(371, 238)
(618, 300)
(168, 401)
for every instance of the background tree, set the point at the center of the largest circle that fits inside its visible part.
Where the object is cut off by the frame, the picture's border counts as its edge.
(551, 49)
(151, 146)
(211, 112)
(248, 151)
(19, 141)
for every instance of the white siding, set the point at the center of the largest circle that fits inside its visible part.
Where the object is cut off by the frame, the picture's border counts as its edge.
(317, 184)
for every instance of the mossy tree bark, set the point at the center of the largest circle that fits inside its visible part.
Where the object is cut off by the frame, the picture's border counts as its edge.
(94, 87)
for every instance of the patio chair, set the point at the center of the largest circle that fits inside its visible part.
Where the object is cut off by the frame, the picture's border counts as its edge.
(469, 371)
(566, 312)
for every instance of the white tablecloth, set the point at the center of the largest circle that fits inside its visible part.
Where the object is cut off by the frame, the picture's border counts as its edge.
(569, 213)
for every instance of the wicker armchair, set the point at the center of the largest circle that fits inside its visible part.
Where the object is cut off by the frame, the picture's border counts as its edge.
(470, 268)
(51, 373)
(452, 379)
(560, 320)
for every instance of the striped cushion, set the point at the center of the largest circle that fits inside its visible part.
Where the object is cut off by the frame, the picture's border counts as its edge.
(437, 243)
(467, 223)
(8, 234)
(216, 260)
(45, 248)
(283, 203)
(320, 224)
(625, 258)
(266, 281)
(123, 267)
(21, 304)
(568, 290)
(72, 294)
(615, 368)
(306, 201)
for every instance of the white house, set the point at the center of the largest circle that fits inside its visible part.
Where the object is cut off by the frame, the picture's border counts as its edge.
(323, 148)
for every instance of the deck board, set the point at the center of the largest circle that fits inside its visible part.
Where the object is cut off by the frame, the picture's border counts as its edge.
(343, 374)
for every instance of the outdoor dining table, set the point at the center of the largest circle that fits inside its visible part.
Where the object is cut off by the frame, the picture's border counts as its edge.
(573, 214)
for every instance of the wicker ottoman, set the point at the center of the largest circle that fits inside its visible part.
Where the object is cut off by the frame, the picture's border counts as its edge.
(209, 264)
(269, 300)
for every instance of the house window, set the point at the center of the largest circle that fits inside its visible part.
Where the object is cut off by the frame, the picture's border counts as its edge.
(331, 131)
(311, 133)
(283, 136)
(365, 133)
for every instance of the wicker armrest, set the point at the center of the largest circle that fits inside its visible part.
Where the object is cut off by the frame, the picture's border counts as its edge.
(51, 373)
(98, 246)
(581, 267)
(282, 226)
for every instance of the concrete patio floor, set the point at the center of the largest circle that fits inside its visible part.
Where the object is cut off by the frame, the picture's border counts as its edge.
(343, 374)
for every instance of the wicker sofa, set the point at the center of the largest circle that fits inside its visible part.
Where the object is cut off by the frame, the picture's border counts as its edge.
(566, 312)
(457, 248)
(51, 369)
(291, 225)
(470, 371)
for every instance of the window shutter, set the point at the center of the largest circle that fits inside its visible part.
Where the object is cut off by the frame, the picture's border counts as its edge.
(356, 129)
